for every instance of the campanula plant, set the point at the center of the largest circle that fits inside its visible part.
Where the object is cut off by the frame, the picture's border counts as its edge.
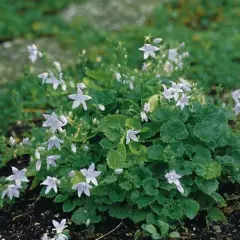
(141, 144)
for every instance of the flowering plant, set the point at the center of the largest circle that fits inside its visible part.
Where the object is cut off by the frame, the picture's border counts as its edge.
(142, 144)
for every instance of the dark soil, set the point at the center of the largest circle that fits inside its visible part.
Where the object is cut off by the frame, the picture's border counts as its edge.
(30, 217)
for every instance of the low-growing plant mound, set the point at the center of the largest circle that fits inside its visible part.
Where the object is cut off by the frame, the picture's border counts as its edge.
(144, 145)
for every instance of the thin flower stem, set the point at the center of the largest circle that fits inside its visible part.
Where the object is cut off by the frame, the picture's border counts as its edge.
(118, 226)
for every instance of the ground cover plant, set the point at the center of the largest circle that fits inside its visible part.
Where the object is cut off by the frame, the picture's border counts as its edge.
(143, 144)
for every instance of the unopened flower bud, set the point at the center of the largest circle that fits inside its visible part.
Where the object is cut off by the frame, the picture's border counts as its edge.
(101, 107)
(37, 154)
(38, 165)
(12, 141)
(118, 171)
(58, 66)
(85, 148)
(88, 222)
(73, 148)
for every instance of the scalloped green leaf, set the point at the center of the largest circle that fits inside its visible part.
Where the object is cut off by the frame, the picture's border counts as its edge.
(207, 186)
(190, 207)
(172, 130)
(150, 186)
(116, 158)
(155, 152)
(206, 131)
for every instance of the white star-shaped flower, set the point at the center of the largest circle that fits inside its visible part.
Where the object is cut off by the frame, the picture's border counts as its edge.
(237, 108)
(173, 55)
(11, 191)
(45, 237)
(59, 227)
(53, 80)
(82, 187)
(175, 89)
(91, 174)
(43, 76)
(236, 95)
(185, 85)
(54, 122)
(149, 50)
(183, 101)
(33, 53)
(81, 86)
(167, 93)
(51, 183)
(79, 99)
(18, 176)
(131, 135)
(51, 161)
(54, 141)
(173, 177)
(26, 142)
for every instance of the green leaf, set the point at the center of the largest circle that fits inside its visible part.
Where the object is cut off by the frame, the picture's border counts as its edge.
(213, 170)
(152, 230)
(138, 215)
(176, 212)
(137, 149)
(202, 155)
(172, 130)
(216, 215)
(133, 123)
(219, 199)
(117, 195)
(164, 227)
(150, 186)
(174, 235)
(116, 158)
(105, 96)
(149, 130)
(144, 201)
(120, 211)
(101, 77)
(105, 143)
(80, 216)
(206, 131)
(110, 179)
(207, 186)
(154, 101)
(155, 152)
(190, 207)
(113, 126)
(69, 206)
(60, 198)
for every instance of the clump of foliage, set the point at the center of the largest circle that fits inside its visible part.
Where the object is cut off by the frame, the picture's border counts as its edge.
(26, 18)
(141, 144)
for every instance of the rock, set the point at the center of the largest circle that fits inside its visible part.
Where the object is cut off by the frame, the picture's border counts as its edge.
(14, 56)
(111, 14)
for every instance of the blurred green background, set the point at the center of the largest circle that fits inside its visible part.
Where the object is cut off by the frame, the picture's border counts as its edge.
(63, 28)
